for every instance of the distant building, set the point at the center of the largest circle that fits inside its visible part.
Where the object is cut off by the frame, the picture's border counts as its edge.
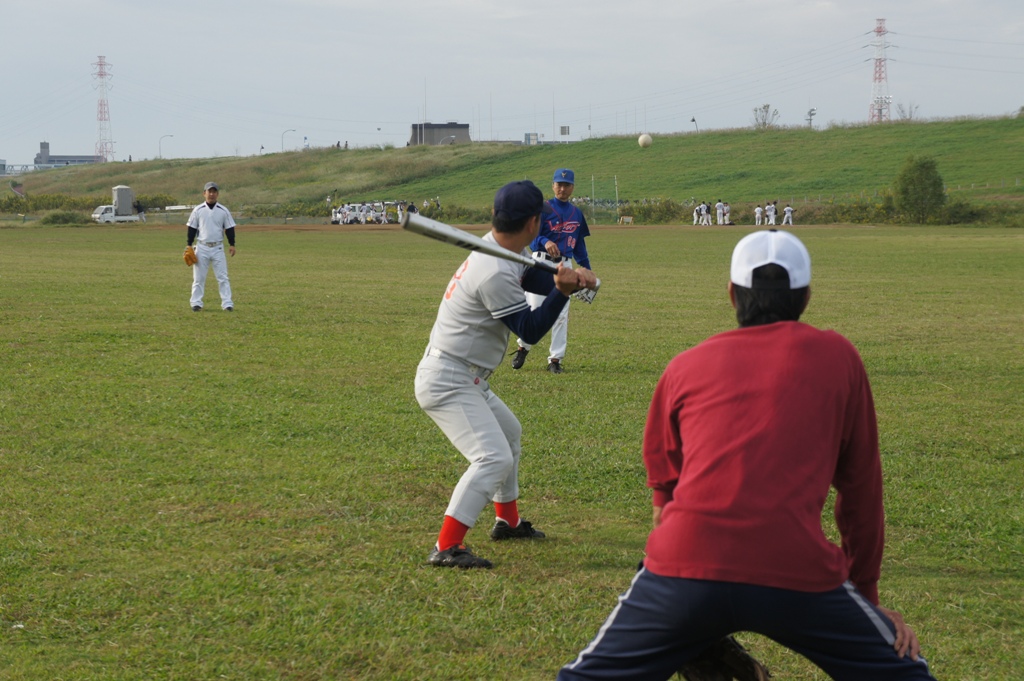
(439, 133)
(45, 160)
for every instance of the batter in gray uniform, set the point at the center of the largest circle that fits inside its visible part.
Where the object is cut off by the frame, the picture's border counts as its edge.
(485, 301)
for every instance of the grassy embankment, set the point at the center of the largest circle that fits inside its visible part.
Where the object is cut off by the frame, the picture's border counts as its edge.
(978, 159)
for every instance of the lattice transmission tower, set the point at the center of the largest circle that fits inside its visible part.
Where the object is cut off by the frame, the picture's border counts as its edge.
(104, 138)
(880, 99)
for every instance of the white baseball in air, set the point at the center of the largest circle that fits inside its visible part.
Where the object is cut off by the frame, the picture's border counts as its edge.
(644, 140)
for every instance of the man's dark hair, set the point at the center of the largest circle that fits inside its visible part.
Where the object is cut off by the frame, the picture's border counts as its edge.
(506, 226)
(770, 300)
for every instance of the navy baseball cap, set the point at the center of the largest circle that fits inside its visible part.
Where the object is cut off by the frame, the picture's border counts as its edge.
(564, 175)
(211, 185)
(518, 200)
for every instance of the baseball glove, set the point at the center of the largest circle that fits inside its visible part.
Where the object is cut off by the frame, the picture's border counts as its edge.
(587, 295)
(725, 660)
(584, 294)
(190, 256)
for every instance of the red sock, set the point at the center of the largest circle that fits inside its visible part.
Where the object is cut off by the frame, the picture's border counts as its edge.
(452, 533)
(507, 511)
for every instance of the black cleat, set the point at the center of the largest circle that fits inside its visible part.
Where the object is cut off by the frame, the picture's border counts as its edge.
(229, 309)
(524, 530)
(555, 367)
(520, 358)
(457, 556)
(197, 308)
(725, 659)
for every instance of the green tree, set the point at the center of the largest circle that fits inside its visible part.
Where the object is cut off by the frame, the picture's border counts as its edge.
(918, 191)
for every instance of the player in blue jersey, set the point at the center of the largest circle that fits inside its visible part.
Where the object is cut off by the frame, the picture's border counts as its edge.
(561, 240)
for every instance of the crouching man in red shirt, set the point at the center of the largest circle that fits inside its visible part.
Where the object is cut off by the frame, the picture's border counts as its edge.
(746, 433)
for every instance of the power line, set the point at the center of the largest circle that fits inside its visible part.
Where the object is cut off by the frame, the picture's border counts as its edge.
(958, 40)
(964, 54)
(959, 68)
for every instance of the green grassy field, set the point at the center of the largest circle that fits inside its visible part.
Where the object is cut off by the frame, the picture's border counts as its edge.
(978, 159)
(253, 495)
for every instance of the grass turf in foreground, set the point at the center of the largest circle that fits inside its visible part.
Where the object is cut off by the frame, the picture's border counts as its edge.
(253, 495)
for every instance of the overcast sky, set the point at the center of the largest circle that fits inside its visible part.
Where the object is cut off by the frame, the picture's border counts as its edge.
(225, 77)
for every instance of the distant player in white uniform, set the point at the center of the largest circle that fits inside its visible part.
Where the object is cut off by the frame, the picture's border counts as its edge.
(208, 226)
(787, 217)
(719, 213)
(484, 302)
(757, 214)
(771, 209)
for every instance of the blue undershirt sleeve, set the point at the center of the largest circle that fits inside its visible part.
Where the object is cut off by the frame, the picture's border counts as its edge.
(531, 325)
(580, 253)
(538, 281)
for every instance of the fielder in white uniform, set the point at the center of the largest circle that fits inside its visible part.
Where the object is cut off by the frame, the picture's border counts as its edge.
(772, 209)
(485, 301)
(719, 212)
(209, 225)
(757, 214)
(787, 217)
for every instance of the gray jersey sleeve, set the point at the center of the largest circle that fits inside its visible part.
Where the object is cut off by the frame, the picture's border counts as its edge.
(482, 291)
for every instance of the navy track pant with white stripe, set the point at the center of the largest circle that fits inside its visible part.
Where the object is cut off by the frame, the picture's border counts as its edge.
(661, 623)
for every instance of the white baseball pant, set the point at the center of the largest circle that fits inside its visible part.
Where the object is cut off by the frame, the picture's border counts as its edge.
(206, 257)
(481, 427)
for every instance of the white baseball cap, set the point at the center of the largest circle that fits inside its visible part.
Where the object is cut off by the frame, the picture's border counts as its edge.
(770, 247)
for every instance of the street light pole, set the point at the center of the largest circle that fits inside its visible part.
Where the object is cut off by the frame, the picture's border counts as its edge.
(810, 117)
(694, 121)
(160, 146)
(282, 137)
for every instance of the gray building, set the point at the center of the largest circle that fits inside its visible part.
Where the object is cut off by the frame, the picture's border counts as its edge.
(46, 160)
(439, 133)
